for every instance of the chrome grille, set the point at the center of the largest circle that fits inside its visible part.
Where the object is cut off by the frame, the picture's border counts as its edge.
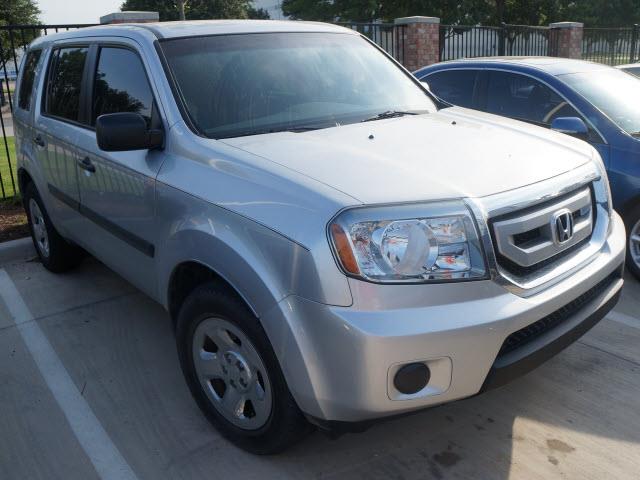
(529, 239)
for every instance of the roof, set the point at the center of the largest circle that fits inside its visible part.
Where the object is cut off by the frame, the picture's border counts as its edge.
(551, 65)
(198, 28)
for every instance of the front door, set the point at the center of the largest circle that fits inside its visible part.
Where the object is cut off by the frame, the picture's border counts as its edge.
(117, 189)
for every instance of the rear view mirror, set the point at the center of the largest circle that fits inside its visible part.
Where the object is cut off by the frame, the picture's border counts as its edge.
(573, 126)
(118, 132)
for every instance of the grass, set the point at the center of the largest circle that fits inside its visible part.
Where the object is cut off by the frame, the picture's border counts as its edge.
(4, 166)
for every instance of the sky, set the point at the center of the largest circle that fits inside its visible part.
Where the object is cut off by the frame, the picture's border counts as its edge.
(76, 11)
(90, 11)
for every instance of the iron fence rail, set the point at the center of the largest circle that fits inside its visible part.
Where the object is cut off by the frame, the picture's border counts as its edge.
(613, 46)
(462, 41)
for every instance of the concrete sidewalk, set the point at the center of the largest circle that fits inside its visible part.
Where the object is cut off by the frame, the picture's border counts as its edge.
(577, 416)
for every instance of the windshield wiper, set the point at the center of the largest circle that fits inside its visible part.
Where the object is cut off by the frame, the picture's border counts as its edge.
(389, 114)
(635, 134)
(262, 131)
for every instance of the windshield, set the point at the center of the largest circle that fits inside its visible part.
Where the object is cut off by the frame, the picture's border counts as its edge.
(237, 85)
(615, 93)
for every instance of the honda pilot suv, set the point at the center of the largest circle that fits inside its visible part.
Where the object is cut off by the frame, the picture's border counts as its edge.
(333, 245)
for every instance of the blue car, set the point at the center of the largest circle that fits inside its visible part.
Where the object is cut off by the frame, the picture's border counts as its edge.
(597, 103)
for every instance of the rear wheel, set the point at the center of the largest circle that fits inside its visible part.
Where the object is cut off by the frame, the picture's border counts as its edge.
(632, 221)
(233, 373)
(55, 253)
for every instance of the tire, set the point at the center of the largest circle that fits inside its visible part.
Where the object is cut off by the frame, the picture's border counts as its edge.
(56, 254)
(219, 342)
(632, 223)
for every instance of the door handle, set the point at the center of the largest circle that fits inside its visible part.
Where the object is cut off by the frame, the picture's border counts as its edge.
(38, 140)
(86, 164)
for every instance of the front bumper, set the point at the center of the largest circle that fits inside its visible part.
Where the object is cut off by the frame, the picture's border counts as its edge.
(339, 361)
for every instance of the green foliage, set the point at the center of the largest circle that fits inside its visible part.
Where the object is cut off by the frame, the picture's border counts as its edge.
(198, 9)
(593, 13)
(16, 12)
(19, 12)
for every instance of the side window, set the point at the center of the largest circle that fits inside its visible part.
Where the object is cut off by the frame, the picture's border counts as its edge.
(65, 81)
(28, 77)
(525, 98)
(453, 86)
(121, 85)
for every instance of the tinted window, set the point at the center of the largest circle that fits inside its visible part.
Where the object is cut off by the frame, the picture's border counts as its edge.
(235, 85)
(524, 98)
(28, 76)
(121, 84)
(615, 93)
(63, 99)
(633, 70)
(453, 86)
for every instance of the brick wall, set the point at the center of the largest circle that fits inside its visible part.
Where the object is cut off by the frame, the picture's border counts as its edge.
(566, 39)
(421, 38)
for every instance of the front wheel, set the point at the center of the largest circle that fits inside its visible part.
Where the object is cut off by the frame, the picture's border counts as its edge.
(632, 221)
(233, 373)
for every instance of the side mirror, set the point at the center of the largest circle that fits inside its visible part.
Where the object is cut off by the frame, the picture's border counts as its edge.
(119, 132)
(573, 126)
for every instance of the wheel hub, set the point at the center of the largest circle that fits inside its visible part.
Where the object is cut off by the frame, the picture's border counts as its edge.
(236, 370)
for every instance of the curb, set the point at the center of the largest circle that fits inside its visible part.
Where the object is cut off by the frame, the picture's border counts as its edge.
(17, 250)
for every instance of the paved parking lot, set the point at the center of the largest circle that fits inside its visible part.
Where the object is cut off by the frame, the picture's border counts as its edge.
(90, 387)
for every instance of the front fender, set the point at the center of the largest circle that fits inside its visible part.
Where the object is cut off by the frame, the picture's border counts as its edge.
(262, 265)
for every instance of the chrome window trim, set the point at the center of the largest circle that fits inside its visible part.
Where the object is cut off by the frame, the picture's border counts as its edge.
(498, 69)
(485, 208)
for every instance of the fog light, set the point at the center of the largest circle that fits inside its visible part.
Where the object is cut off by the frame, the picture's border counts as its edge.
(411, 378)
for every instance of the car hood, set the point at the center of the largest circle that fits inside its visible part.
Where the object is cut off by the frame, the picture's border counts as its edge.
(453, 153)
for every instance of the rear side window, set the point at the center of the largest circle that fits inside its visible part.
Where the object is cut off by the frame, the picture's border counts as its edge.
(453, 86)
(121, 85)
(65, 82)
(28, 76)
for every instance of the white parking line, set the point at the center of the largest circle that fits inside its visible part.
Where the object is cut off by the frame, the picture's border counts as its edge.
(107, 460)
(628, 320)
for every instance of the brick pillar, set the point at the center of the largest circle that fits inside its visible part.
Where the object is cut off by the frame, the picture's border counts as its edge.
(130, 17)
(565, 39)
(420, 37)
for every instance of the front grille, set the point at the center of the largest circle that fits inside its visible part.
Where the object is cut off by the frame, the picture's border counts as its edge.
(533, 331)
(525, 241)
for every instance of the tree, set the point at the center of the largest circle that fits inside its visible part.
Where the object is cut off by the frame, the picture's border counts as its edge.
(593, 13)
(197, 9)
(16, 12)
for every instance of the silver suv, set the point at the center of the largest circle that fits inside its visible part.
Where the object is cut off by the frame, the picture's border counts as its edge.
(332, 243)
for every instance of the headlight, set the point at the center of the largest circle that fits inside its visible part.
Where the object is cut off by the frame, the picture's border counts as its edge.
(408, 243)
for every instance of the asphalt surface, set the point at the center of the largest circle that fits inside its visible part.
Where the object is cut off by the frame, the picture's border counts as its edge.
(90, 388)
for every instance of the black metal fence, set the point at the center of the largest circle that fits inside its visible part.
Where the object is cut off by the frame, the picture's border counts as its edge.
(459, 41)
(613, 46)
(388, 36)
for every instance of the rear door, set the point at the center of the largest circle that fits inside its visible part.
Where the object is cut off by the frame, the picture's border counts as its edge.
(117, 189)
(57, 124)
(456, 86)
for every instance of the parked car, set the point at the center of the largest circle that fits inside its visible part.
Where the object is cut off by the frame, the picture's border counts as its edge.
(632, 68)
(591, 101)
(332, 245)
